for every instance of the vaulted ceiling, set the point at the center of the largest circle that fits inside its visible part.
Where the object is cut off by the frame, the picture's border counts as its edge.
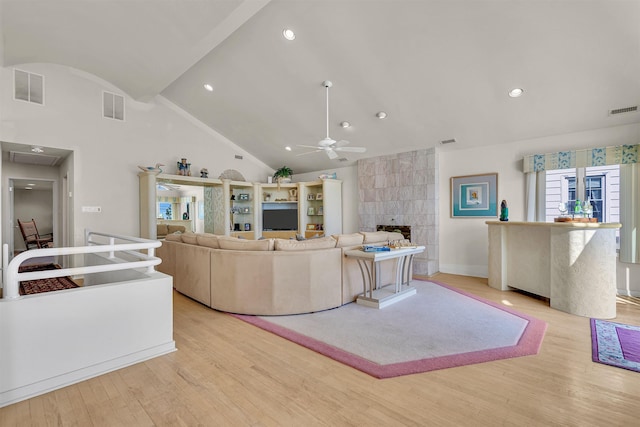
(440, 69)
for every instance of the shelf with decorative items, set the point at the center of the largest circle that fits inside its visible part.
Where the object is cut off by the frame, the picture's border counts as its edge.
(321, 207)
(241, 221)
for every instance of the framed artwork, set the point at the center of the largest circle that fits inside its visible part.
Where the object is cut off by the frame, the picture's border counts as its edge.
(311, 211)
(319, 196)
(311, 226)
(474, 196)
(243, 196)
(321, 210)
(310, 197)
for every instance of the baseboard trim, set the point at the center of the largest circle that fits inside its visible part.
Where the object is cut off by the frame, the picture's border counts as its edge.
(50, 384)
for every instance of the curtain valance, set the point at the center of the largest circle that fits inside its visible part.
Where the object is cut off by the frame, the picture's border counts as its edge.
(619, 155)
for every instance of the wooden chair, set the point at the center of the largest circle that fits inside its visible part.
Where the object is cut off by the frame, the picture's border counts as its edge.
(33, 239)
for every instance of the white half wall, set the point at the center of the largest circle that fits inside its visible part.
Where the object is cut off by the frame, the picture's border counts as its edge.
(54, 339)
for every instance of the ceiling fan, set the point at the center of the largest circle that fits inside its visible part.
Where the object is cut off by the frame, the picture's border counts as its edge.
(328, 145)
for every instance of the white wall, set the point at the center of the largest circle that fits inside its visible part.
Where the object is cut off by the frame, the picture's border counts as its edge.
(107, 152)
(463, 241)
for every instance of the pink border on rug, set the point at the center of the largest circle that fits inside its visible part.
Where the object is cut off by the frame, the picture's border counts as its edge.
(529, 344)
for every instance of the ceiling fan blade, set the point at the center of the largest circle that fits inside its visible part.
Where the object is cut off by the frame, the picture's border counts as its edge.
(332, 154)
(309, 152)
(342, 143)
(309, 146)
(351, 149)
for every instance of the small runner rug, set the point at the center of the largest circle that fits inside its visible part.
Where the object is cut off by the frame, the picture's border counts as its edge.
(439, 327)
(615, 344)
(29, 287)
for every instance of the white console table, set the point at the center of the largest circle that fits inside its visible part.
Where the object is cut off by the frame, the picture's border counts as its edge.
(377, 295)
(572, 264)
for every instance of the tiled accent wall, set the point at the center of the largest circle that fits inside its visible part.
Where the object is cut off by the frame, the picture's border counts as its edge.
(403, 189)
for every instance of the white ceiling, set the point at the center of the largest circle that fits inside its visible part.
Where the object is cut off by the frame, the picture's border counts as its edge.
(440, 69)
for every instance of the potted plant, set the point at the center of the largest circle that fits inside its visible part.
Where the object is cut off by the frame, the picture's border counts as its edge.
(283, 175)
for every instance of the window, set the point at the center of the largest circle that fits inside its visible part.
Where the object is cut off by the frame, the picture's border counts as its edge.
(165, 210)
(601, 187)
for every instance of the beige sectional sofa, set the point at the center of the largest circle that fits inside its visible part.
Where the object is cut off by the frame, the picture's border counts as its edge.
(269, 276)
(163, 229)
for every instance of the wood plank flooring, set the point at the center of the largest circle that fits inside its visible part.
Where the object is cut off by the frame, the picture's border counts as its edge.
(229, 373)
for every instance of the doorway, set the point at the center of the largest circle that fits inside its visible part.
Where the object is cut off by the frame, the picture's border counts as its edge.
(31, 199)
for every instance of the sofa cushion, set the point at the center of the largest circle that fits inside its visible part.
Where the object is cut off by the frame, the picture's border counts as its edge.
(395, 235)
(235, 244)
(344, 240)
(162, 229)
(173, 237)
(296, 245)
(209, 240)
(191, 238)
(176, 229)
(375, 236)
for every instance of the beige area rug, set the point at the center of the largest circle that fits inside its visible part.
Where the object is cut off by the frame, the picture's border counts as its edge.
(439, 327)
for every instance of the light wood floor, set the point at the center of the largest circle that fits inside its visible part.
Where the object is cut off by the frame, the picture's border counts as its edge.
(229, 373)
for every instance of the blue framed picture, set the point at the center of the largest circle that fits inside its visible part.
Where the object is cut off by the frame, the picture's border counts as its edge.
(474, 196)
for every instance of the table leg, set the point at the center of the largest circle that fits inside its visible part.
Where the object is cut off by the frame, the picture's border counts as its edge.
(367, 277)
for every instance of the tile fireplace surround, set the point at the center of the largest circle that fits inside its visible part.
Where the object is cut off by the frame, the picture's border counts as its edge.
(403, 189)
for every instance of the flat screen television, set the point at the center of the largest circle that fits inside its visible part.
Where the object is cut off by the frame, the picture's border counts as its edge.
(280, 219)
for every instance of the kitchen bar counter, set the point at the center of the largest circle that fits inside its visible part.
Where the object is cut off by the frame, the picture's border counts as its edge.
(571, 263)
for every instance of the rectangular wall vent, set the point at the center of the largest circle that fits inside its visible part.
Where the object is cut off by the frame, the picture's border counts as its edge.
(33, 158)
(448, 141)
(112, 106)
(28, 87)
(239, 157)
(623, 110)
(343, 159)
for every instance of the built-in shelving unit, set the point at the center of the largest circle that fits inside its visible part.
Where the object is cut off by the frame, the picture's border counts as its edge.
(253, 210)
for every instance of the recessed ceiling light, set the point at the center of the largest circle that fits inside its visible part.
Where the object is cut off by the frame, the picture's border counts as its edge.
(287, 148)
(345, 124)
(381, 115)
(31, 185)
(288, 34)
(516, 92)
(208, 87)
(37, 149)
(28, 188)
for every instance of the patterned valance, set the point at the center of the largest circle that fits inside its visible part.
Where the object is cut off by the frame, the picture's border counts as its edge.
(622, 154)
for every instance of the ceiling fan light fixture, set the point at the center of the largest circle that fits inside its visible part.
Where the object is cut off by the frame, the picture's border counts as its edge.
(37, 149)
(208, 87)
(345, 124)
(288, 34)
(381, 115)
(287, 148)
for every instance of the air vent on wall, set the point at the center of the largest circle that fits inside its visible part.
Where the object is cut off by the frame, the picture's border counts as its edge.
(33, 158)
(448, 141)
(112, 106)
(631, 109)
(343, 159)
(28, 87)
